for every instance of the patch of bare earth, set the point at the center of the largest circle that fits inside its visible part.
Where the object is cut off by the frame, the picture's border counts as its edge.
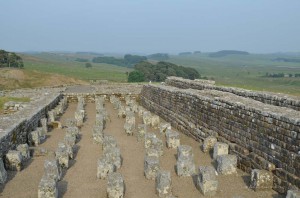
(80, 179)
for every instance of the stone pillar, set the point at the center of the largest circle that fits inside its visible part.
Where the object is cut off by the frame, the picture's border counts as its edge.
(155, 121)
(226, 164)
(163, 184)
(113, 154)
(209, 144)
(47, 188)
(115, 186)
(52, 169)
(185, 165)
(220, 149)
(34, 138)
(104, 168)
(24, 149)
(62, 156)
(3, 173)
(142, 129)
(151, 167)
(163, 127)
(173, 140)
(13, 160)
(261, 180)
(293, 194)
(207, 180)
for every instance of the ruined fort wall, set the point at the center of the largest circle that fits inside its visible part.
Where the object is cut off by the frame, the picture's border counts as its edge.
(262, 136)
(268, 98)
(15, 128)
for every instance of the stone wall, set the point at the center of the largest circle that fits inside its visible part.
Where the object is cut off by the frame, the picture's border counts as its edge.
(265, 97)
(14, 128)
(263, 136)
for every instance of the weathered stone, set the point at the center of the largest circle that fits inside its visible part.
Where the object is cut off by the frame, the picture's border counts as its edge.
(74, 131)
(44, 125)
(173, 140)
(163, 127)
(56, 125)
(129, 127)
(52, 169)
(79, 117)
(113, 154)
(185, 165)
(163, 184)
(47, 188)
(100, 120)
(13, 160)
(151, 167)
(155, 121)
(71, 122)
(3, 173)
(147, 118)
(142, 129)
(104, 168)
(207, 181)
(220, 149)
(34, 138)
(115, 186)
(62, 155)
(261, 180)
(148, 139)
(98, 134)
(209, 144)
(121, 112)
(293, 194)
(141, 111)
(152, 152)
(108, 142)
(24, 149)
(70, 140)
(226, 164)
(42, 133)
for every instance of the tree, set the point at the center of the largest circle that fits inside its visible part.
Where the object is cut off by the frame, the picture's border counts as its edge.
(136, 76)
(88, 65)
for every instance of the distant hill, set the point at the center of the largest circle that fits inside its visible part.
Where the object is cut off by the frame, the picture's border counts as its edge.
(159, 56)
(227, 52)
(288, 60)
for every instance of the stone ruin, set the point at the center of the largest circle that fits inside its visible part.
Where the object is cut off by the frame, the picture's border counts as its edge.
(256, 132)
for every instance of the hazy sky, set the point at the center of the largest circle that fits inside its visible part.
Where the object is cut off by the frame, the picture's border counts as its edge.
(149, 26)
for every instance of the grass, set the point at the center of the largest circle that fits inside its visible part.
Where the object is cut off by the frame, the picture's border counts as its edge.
(245, 71)
(4, 99)
(67, 66)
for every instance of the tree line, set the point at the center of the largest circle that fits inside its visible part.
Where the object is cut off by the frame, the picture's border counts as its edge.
(281, 75)
(146, 71)
(10, 59)
(127, 61)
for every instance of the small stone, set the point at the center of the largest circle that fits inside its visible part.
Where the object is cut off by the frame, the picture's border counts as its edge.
(104, 168)
(173, 140)
(226, 164)
(220, 149)
(13, 160)
(261, 180)
(207, 181)
(142, 129)
(47, 188)
(3, 173)
(151, 167)
(115, 186)
(24, 149)
(163, 127)
(56, 125)
(34, 138)
(209, 144)
(155, 121)
(163, 184)
(52, 169)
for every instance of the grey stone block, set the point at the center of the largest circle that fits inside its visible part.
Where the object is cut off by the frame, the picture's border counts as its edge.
(24, 149)
(185, 152)
(47, 188)
(152, 152)
(52, 169)
(74, 131)
(261, 180)
(173, 140)
(226, 164)
(142, 129)
(163, 127)
(13, 160)
(163, 184)
(155, 121)
(147, 118)
(104, 168)
(293, 194)
(148, 139)
(185, 167)
(209, 144)
(115, 186)
(113, 154)
(3, 173)
(34, 138)
(151, 167)
(207, 180)
(220, 149)
(62, 156)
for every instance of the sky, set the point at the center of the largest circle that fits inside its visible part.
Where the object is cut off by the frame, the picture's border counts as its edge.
(150, 26)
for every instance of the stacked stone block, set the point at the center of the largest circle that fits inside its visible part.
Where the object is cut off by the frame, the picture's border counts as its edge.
(163, 184)
(207, 181)
(185, 165)
(115, 186)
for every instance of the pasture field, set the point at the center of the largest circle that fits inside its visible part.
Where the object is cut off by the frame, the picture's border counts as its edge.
(245, 71)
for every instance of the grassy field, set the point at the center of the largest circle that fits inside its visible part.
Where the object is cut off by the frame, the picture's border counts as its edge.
(245, 71)
(65, 65)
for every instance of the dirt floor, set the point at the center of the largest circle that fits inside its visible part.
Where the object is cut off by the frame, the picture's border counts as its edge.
(80, 179)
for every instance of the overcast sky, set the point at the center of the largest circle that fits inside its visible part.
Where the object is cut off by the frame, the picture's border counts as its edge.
(148, 26)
